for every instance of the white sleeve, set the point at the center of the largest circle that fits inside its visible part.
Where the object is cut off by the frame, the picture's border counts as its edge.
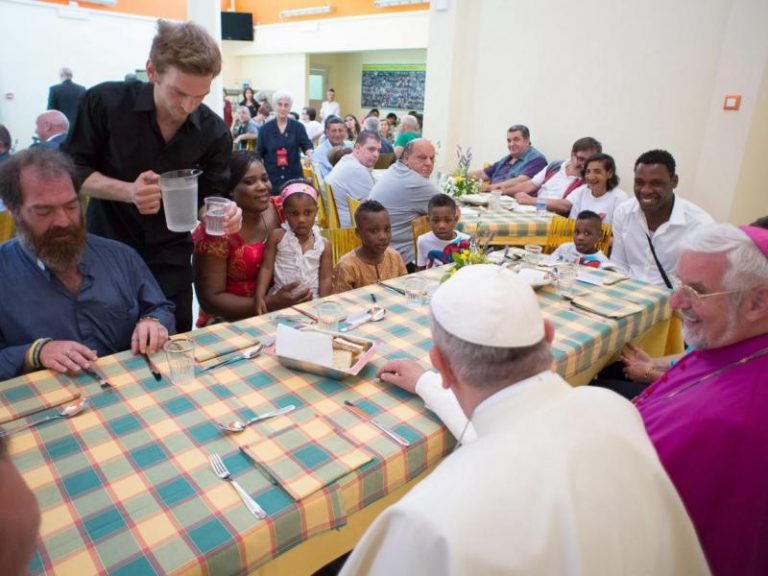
(538, 179)
(618, 253)
(421, 253)
(402, 540)
(443, 403)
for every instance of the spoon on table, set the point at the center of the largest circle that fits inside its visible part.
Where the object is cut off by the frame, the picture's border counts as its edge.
(375, 314)
(67, 411)
(239, 425)
(247, 354)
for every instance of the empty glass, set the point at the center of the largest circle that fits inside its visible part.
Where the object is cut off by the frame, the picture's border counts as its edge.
(328, 316)
(180, 353)
(415, 291)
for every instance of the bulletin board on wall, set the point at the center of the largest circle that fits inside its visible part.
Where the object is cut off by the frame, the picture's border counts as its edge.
(398, 86)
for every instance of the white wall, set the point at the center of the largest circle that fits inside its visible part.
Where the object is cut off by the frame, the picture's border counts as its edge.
(634, 75)
(38, 40)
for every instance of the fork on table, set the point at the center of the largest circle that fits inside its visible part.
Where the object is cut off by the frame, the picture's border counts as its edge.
(221, 470)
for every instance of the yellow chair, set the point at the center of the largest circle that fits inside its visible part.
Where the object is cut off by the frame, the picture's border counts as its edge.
(606, 240)
(342, 241)
(322, 212)
(6, 226)
(353, 204)
(332, 211)
(561, 231)
(307, 172)
(418, 227)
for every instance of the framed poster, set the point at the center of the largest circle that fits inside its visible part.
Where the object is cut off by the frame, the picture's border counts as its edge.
(399, 86)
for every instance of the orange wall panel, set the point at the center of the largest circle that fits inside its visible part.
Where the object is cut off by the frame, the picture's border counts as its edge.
(268, 11)
(171, 9)
(264, 11)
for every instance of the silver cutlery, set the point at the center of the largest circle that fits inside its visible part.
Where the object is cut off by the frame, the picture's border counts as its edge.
(220, 469)
(375, 314)
(67, 411)
(239, 425)
(246, 354)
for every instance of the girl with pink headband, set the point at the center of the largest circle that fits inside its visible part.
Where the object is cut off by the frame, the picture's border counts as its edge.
(296, 252)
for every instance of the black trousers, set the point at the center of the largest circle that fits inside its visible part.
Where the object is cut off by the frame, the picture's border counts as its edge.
(612, 377)
(183, 302)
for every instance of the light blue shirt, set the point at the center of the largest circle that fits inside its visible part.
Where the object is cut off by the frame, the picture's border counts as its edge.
(117, 290)
(320, 156)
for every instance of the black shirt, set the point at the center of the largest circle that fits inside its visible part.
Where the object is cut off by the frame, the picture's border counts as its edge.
(116, 133)
(293, 140)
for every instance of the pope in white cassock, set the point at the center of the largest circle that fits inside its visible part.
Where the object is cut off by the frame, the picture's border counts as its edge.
(548, 479)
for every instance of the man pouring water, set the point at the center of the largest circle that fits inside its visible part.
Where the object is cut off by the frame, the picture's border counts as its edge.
(131, 139)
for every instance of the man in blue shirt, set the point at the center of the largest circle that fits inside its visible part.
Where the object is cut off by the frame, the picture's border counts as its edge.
(67, 296)
(335, 131)
(522, 163)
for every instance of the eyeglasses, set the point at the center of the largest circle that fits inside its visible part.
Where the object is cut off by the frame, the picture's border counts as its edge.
(694, 296)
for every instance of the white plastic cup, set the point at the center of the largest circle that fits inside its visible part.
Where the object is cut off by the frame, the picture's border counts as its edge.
(215, 210)
(328, 316)
(415, 291)
(494, 201)
(180, 354)
(179, 189)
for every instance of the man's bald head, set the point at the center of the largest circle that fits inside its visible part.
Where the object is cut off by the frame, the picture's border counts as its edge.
(419, 156)
(50, 124)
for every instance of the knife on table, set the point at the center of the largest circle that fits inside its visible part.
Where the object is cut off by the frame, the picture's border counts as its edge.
(98, 376)
(363, 416)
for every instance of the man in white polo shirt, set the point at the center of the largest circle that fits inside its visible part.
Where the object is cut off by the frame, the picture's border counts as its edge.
(547, 479)
(558, 179)
(647, 230)
(352, 174)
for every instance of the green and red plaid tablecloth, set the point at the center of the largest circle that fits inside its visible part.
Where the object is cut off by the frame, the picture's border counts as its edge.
(514, 228)
(126, 488)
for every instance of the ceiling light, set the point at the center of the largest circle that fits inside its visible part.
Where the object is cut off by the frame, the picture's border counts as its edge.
(390, 3)
(326, 9)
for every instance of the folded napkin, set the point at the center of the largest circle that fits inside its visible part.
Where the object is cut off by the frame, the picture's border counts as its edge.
(33, 393)
(219, 340)
(307, 456)
(608, 306)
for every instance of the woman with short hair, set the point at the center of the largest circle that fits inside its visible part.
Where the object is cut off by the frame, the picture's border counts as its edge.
(281, 141)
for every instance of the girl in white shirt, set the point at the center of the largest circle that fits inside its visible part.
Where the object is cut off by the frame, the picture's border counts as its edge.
(600, 194)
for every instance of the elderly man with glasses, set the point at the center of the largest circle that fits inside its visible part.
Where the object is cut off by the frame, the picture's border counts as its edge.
(707, 415)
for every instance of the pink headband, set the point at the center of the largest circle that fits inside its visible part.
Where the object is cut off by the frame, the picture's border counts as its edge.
(758, 235)
(298, 187)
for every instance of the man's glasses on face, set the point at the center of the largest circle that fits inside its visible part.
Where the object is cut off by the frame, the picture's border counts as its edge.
(694, 296)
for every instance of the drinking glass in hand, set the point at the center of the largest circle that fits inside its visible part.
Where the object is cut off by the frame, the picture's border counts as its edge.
(215, 210)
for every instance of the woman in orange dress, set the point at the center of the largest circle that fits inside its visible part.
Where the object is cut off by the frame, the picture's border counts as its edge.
(226, 267)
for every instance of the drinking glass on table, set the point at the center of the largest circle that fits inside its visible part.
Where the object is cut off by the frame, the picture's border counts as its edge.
(494, 201)
(215, 211)
(415, 291)
(328, 316)
(532, 254)
(567, 272)
(180, 353)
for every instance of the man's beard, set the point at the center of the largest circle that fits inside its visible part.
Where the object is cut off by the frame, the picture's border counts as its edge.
(58, 248)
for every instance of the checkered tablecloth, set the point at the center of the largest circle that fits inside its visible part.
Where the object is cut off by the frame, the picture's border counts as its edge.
(514, 228)
(126, 488)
